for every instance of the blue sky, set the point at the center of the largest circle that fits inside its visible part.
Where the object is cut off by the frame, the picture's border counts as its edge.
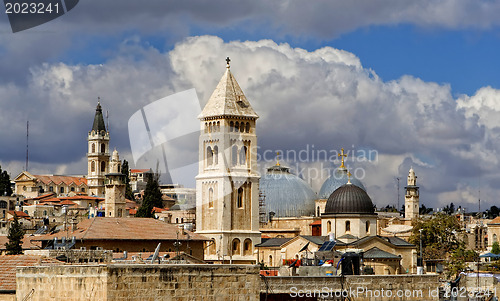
(416, 81)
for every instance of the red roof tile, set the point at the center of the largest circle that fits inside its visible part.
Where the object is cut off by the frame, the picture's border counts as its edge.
(139, 170)
(496, 220)
(9, 263)
(18, 213)
(125, 228)
(47, 179)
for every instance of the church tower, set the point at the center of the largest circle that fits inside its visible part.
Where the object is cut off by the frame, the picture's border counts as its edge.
(98, 154)
(412, 205)
(227, 185)
(114, 201)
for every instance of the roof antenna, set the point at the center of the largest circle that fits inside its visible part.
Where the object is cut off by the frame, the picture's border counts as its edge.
(27, 139)
(107, 120)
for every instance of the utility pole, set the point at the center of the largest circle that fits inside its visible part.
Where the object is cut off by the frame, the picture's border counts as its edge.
(397, 208)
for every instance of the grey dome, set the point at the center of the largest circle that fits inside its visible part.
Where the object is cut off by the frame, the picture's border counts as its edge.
(336, 180)
(286, 194)
(349, 199)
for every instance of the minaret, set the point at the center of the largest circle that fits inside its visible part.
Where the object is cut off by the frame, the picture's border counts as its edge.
(227, 185)
(114, 202)
(412, 205)
(98, 154)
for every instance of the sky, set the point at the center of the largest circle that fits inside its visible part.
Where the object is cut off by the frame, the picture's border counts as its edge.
(411, 83)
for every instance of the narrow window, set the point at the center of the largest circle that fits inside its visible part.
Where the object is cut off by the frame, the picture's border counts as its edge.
(231, 126)
(210, 198)
(234, 155)
(236, 247)
(247, 128)
(347, 226)
(103, 148)
(61, 190)
(239, 200)
(93, 147)
(103, 166)
(210, 156)
(216, 155)
(329, 226)
(243, 155)
(367, 226)
(92, 166)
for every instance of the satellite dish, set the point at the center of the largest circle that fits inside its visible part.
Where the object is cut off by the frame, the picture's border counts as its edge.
(157, 252)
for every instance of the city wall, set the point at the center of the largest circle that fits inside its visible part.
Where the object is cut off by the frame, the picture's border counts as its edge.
(139, 282)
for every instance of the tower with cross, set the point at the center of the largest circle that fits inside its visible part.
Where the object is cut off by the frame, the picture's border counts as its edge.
(97, 154)
(227, 185)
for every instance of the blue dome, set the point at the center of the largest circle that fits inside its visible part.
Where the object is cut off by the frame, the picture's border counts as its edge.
(286, 194)
(335, 181)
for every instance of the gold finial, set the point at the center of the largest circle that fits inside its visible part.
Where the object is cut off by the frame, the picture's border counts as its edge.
(349, 177)
(342, 155)
(227, 61)
(278, 158)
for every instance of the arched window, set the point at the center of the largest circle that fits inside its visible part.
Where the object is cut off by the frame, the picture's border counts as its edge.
(317, 211)
(247, 247)
(176, 220)
(243, 155)
(218, 126)
(103, 166)
(212, 249)
(206, 127)
(210, 198)
(270, 260)
(247, 128)
(242, 127)
(92, 166)
(329, 226)
(216, 155)
(93, 147)
(182, 220)
(61, 190)
(494, 238)
(236, 126)
(210, 156)
(44, 212)
(210, 128)
(51, 189)
(367, 225)
(103, 148)
(231, 126)
(239, 200)
(236, 247)
(234, 155)
(347, 226)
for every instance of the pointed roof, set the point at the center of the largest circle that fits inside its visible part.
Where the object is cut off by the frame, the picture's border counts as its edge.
(98, 119)
(228, 100)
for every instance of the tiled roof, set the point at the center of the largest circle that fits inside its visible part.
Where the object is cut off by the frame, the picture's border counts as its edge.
(27, 243)
(18, 213)
(125, 228)
(43, 196)
(47, 179)
(319, 240)
(376, 253)
(391, 239)
(51, 200)
(82, 197)
(139, 170)
(8, 264)
(496, 220)
(68, 202)
(315, 223)
(273, 242)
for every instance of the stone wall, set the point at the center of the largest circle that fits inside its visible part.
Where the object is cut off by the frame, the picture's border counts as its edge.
(359, 288)
(139, 282)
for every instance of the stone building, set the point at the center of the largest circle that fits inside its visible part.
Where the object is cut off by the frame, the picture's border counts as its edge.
(97, 154)
(412, 202)
(227, 185)
(32, 186)
(115, 189)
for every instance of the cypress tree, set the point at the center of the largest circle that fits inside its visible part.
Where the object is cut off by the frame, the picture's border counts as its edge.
(16, 235)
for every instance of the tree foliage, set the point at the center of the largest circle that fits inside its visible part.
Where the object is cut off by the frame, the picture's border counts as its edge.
(5, 188)
(424, 210)
(128, 189)
(449, 209)
(441, 239)
(152, 198)
(493, 212)
(495, 248)
(15, 237)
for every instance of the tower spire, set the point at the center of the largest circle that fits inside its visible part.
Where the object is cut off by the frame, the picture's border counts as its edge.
(98, 124)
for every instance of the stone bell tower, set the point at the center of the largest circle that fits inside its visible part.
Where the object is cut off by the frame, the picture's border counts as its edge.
(227, 185)
(114, 201)
(98, 154)
(412, 202)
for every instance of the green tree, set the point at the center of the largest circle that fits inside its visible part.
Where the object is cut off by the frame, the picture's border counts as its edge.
(424, 210)
(5, 188)
(15, 237)
(495, 248)
(441, 240)
(152, 198)
(128, 189)
(449, 209)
